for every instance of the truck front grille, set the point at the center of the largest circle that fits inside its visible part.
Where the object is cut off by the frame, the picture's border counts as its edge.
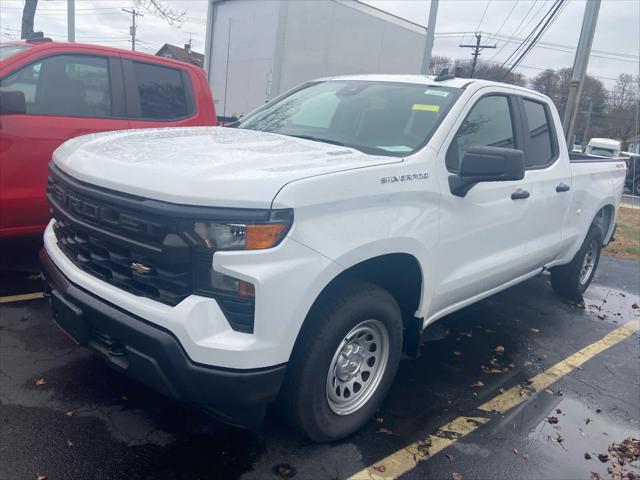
(112, 263)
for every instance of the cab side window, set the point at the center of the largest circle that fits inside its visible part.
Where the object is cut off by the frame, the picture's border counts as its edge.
(162, 92)
(489, 123)
(540, 148)
(65, 85)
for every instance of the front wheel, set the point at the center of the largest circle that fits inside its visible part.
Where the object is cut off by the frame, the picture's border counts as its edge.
(572, 280)
(344, 361)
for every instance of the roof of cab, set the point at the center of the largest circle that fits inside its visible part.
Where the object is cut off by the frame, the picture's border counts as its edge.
(37, 45)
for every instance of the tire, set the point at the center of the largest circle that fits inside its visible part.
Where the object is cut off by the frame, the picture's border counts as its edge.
(317, 397)
(572, 280)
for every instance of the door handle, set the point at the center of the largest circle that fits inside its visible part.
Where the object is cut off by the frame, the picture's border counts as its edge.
(563, 187)
(519, 194)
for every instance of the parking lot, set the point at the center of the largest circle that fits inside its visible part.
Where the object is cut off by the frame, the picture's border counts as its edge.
(521, 385)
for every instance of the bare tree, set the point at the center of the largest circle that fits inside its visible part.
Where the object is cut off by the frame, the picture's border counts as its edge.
(172, 16)
(438, 63)
(28, 18)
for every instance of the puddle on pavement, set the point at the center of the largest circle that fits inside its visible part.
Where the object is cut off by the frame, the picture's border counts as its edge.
(611, 305)
(567, 437)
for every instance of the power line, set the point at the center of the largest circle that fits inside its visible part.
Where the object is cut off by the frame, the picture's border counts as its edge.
(627, 57)
(524, 42)
(515, 4)
(515, 31)
(132, 29)
(549, 21)
(483, 15)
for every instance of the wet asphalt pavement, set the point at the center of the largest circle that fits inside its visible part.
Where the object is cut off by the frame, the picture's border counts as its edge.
(65, 414)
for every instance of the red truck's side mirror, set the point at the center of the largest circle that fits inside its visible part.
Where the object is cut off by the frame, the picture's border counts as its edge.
(12, 102)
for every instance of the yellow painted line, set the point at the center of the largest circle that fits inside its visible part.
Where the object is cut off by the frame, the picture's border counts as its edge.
(21, 298)
(404, 460)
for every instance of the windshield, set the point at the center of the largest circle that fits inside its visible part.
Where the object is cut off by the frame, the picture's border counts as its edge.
(603, 152)
(7, 50)
(382, 118)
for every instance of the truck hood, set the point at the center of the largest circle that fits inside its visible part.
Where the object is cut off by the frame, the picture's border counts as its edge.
(212, 166)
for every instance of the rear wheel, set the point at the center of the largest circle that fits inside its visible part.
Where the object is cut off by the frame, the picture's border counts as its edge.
(344, 361)
(572, 280)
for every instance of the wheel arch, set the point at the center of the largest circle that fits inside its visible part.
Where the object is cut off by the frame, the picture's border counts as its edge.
(604, 219)
(399, 273)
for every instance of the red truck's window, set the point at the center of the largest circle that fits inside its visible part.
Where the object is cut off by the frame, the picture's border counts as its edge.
(162, 93)
(66, 85)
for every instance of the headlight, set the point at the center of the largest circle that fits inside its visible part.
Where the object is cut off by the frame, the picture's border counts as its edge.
(236, 236)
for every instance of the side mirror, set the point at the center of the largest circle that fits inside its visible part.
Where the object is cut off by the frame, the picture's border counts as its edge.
(12, 102)
(487, 164)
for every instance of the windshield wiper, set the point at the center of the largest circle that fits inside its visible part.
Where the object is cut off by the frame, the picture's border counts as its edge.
(361, 148)
(317, 139)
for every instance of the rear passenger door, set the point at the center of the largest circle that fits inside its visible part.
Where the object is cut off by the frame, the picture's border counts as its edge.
(549, 178)
(158, 95)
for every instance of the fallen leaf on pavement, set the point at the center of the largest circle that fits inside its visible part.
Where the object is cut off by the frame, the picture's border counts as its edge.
(41, 381)
(385, 430)
(499, 349)
(468, 334)
(598, 410)
(70, 413)
(41, 477)
(457, 354)
(558, 411)
(479, 383)
(378, 419)
(284, 470)
(603, 457)
(587, 456)
(535, 330)
(583, 433)
(456, 476)
(448, 456)
(501, 390)
(527, 364)
(595, 476)
(70, 444)
(635, 306)
(552, 420)
(550, 392)
(379, 468)
(512, 365)
(587, 421)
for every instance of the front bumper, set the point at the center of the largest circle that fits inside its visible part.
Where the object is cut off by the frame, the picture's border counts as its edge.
(154, 356)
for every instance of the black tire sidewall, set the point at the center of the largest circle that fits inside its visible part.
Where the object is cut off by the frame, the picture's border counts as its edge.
(319, 422)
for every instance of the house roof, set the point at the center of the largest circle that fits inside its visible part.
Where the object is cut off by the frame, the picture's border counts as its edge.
(181, 54)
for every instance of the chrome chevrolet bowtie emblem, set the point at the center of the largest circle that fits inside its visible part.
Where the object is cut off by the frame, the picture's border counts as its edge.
(140, 268)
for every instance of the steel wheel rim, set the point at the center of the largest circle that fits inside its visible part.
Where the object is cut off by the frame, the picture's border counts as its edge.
(588, 262)
(357, 367)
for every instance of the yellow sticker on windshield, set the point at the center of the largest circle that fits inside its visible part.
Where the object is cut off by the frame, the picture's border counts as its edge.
(426, 108)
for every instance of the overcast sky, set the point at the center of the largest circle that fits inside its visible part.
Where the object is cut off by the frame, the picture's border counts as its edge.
(616, 45)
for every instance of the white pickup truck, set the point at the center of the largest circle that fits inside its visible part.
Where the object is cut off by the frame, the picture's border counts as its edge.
(295, 258)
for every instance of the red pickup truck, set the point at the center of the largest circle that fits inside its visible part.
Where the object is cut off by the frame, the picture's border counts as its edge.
(51, 92)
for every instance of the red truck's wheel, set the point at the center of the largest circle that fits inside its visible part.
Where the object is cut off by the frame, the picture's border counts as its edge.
(344, 361)
(572, 280)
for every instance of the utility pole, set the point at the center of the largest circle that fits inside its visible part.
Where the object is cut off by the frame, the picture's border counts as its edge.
(428, 41)
(132, 28)
(71, 20)
(585, 136)
(580, 63)
(477, 48)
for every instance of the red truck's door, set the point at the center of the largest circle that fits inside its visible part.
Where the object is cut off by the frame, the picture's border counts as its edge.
(66, 95)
